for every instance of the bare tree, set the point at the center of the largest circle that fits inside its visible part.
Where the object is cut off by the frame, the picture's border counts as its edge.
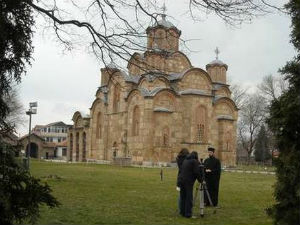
(239, 95)
(16, 114)
(252, 116)
(112, 28)
(272, 87)
(233, 12)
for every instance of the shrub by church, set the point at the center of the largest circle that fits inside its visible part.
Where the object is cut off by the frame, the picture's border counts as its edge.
(160, 105)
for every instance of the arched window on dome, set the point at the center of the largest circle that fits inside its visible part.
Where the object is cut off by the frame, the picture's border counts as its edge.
(201, 128)
(116, 99)
(99, 126)
(135, 121)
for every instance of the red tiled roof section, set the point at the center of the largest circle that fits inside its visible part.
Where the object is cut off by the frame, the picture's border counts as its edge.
(50, 144)
(55, 144)
(62, 144)
(32, 134)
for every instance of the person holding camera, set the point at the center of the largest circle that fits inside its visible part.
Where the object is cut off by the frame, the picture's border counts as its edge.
(190, 171)
(212, 177)
(179, 160)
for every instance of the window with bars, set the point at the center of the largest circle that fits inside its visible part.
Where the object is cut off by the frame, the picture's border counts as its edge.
(200, 124)
(200, 133)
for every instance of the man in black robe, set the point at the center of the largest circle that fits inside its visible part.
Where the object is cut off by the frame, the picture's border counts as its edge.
(190, 171)
(212, 177)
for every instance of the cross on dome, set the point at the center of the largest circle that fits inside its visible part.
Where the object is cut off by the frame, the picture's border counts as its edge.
(217, 52)
(164, 9)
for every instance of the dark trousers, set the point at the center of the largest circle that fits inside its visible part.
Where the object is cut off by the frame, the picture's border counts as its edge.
(213, 190)
(186, 197)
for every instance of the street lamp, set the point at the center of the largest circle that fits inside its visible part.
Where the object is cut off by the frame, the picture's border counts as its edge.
(32, 110)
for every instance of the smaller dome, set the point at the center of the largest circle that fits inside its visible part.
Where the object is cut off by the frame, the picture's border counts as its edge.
(216, 62)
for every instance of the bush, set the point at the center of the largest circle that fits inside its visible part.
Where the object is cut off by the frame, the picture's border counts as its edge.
(20, 194)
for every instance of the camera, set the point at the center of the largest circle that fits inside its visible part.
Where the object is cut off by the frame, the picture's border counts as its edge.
(201, 165)
(201, 162)
(202, 169)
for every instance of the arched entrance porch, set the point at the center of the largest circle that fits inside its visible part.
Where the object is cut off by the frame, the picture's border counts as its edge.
(34, 148)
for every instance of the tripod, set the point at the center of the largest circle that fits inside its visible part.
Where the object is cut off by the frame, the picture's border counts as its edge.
(202, 189)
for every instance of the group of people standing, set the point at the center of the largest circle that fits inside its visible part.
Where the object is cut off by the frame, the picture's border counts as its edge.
(189, 171)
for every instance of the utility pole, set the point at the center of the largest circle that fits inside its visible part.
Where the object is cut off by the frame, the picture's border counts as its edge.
(32, 110)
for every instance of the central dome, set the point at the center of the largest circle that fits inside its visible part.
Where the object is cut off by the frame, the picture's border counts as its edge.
(163, 35)
(164, 22)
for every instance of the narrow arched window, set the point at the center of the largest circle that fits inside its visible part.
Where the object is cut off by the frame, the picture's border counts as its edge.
(135, 121)
(228, 139)
(166, 136)
(116, 99)
(201, 124)
(115, 149)
(99, 126)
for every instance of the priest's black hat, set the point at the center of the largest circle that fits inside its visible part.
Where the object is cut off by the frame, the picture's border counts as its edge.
(211, 149)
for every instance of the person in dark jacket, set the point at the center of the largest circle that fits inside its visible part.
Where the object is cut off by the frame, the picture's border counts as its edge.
(212, 176)
(179, 159)
(190, 171)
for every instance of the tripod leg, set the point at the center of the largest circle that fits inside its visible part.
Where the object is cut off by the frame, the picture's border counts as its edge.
(201, 201)
(196, 195)
(208, 195)
(209, 198)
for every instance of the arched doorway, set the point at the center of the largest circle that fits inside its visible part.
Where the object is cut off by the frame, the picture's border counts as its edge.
(84, 147)
(34, 148)
(77, 146)
(115, 149)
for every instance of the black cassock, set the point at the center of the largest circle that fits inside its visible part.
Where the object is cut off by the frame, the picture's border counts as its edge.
(212, 179)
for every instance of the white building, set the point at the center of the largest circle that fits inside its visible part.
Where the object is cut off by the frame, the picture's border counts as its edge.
(53, 132)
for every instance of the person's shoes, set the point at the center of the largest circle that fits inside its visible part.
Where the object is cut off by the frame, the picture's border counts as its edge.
(194, 217)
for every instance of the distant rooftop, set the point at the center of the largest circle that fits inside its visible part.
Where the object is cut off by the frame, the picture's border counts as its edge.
(59, 124)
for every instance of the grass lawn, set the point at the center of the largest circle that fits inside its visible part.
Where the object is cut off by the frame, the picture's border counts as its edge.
(256, 168)
(102, 194)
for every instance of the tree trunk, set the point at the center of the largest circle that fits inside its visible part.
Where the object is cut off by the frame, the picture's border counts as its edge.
(248, 158)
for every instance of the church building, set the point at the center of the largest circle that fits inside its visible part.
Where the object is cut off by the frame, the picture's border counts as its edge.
(161, 104)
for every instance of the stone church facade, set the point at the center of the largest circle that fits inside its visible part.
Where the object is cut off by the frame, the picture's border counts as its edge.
(160, 105)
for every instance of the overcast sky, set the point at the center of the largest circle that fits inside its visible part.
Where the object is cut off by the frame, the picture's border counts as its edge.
(63, 83)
